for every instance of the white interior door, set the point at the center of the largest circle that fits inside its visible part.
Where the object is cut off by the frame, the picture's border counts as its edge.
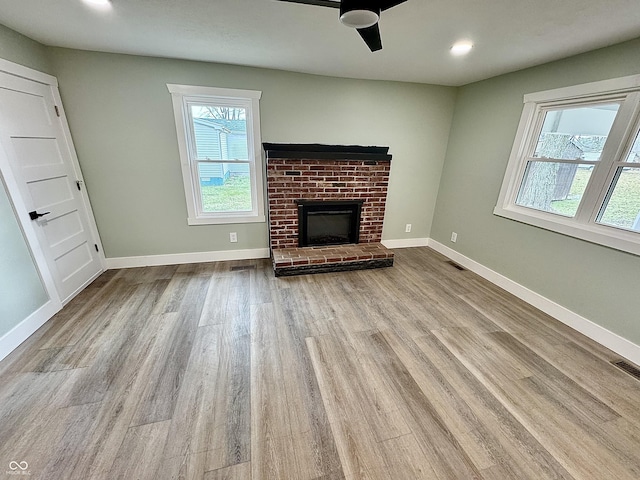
(33, 138)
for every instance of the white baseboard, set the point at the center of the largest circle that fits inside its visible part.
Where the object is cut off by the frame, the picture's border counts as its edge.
(180, 258)
(405, 242)
(222, 255)
(605, 337)
(18, 334)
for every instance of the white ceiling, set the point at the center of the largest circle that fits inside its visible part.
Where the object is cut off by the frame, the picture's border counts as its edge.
(508, 34)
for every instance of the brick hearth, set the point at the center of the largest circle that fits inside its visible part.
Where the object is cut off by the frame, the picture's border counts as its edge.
(323, 173)
(335, 258)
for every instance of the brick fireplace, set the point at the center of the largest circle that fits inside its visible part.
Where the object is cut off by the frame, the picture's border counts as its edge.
(303, 174)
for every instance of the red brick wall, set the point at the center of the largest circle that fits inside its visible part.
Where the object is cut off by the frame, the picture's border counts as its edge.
(290, 179)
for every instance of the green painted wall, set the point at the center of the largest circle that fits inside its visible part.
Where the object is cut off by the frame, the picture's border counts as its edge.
(17, 48)
(597, 282)
(123, 127)
(21, 290)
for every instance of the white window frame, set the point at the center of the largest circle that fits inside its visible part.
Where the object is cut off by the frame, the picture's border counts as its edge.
(185, 95)
(583, 225)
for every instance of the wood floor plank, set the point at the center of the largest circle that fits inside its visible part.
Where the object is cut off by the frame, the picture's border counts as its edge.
(116, 342)
(279, 446)
(309, 423)
(33, 417)
(553, 382)
(101, 305)
(225, 298)
(270, 422)
(158, 400)
(406, 459)
(70, 445)
(185, 467)
(516, 316)
(569, 434)
(615, 388)
(342, 393)
(70, 314)
(230, 442)
(194, 419)
(55, 444)
(447, 456)
(113, 419)
(176, 290)
(221, 370)
(241, 471)
(507, 443)
(262, 282)
(140, 451)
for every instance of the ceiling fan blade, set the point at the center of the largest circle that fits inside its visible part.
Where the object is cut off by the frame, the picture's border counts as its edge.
(371, 36)
(317, 3)
(387, 4)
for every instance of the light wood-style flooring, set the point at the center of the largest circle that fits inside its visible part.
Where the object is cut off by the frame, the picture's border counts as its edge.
(221, 371)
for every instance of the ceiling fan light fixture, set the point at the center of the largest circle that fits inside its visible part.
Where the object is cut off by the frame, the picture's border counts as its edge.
(359, 18)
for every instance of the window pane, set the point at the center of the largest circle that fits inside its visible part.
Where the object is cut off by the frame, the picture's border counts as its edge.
(220, 132)
(623, 207)
(554, 186)
(576, 133)
(225, 187)
(634, 154)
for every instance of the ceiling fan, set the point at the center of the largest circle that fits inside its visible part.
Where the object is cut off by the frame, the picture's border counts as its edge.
(363, 15)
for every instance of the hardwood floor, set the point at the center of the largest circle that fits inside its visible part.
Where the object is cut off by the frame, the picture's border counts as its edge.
(221, 371)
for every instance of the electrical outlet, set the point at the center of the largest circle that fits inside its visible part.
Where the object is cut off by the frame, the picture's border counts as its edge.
(233, 237)
(407, 229)
(454, 237)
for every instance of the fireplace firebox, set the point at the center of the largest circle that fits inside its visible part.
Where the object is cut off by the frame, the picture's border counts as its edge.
(328, 222)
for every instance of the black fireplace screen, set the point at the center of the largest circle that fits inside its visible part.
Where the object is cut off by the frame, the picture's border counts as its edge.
(328, 223)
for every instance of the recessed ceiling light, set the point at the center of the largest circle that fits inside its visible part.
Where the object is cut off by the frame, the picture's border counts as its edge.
(100, 4)
(461, 48)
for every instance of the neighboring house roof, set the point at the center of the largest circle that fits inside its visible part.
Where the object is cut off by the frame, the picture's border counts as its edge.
(235, 126)
(206, 122)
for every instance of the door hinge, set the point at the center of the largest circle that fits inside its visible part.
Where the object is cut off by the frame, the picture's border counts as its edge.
(57, 110)
(79, 184)
(96, 245)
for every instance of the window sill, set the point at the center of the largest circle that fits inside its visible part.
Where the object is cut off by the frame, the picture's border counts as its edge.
(599, 234)
(225, 220)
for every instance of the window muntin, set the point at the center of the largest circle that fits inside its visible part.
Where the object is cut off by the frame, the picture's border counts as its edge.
(219, 139)
(574, 163)
(634, 153)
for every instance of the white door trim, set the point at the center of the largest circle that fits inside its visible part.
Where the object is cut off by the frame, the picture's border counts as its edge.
(29, 325)
(29, 73)
(36, 76)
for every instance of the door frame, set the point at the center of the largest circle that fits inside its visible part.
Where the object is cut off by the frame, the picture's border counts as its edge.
(13, 338)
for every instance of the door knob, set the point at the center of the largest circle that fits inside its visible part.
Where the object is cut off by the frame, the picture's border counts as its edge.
(35, 215)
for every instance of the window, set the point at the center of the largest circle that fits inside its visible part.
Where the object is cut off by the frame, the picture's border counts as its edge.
(575, 163)
(219, 143)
